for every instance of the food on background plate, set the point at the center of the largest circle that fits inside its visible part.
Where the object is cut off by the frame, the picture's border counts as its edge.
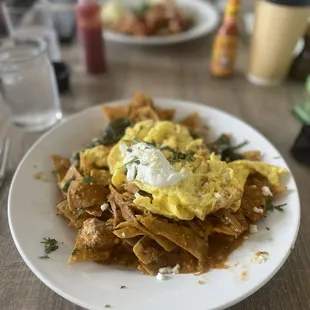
(158, 195)
(150, 18)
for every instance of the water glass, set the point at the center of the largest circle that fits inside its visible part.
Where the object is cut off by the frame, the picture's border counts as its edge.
(28, 84)
(34, 22)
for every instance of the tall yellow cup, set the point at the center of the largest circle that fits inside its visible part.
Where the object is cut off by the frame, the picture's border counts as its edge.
(277, 29)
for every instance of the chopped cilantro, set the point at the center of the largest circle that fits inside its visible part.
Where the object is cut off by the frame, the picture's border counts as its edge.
(271, 207)
(50, 245)
(127, 141)
(44, 257)
(79, 211)
(133, 160)
(135, 172)
(177, 156)
(114, 131)
(88, 179)
(129, 150)
(239, 146)
(153, 143)
(222, 146)
(75, 250)
(107, 306)
(123, 286)
(267, 228)
(67, 184)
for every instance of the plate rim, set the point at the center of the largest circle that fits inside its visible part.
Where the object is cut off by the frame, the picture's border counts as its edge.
(81, 303)
(166, 40)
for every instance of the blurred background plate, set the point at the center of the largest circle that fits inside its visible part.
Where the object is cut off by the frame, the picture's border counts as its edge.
(206, 18)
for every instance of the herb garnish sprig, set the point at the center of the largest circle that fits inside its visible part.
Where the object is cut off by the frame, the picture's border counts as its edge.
(271, 207)
(50, 245)
(222, 146)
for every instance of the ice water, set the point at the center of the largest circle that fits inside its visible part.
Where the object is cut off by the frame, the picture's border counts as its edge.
(29, 88)
(49, 35)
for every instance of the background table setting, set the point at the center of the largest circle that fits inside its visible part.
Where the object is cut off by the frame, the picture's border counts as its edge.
(168, 71)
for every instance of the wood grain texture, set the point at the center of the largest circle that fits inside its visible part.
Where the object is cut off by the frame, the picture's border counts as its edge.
(177, 72)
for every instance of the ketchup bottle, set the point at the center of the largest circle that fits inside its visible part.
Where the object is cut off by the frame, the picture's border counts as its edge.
(226, 42)
(90, 32)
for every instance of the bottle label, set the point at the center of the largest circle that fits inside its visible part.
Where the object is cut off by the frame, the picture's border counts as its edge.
(224, 55)
(232, 9)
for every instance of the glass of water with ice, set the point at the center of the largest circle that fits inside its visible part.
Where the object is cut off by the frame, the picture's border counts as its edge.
(32, 21)
(28, 84)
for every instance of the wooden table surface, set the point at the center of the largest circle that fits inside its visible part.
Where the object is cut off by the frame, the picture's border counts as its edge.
(177, 72)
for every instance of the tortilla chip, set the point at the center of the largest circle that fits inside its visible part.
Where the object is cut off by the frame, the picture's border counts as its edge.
(94, 211)
(187, 263)
(61, 166)
(277, 189)
(72, 174)
(86, 195)
(76, 217)
(253, 199)
(163, 242)
(147, 250)
(142, 114)
(194, 125)
(116, 112)
(128, 232)
(165, 114)
(252, 155)
(140, 100)
(102, 177)
(182, 236)
(94, 242)
(228, 224)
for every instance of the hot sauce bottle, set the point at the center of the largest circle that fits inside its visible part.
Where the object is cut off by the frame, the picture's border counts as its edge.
(90, 33)
(226, 42)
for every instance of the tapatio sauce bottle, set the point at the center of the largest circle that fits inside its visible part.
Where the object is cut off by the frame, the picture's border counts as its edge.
(226, 42)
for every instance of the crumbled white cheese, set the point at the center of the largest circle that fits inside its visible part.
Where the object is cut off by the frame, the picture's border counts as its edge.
(123, 235)
(266, 191)
(169, 270)
(165, 270)
(104, 206)
(160, 277)
(245, 237)
(176, 269)
(260, 258)
(147, 164)
(253, 229)
(258, 210)
(217, 195)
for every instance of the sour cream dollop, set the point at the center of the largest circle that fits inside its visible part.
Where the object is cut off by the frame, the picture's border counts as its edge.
(147, 164)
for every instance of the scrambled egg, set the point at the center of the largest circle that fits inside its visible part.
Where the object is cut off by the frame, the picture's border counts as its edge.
(210, 184)
(96, 157)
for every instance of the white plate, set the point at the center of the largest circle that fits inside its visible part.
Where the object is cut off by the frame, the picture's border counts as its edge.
(32, 217)
(206, 19)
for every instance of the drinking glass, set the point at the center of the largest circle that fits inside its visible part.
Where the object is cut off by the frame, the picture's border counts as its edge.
(35, 21)
(28, 84)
